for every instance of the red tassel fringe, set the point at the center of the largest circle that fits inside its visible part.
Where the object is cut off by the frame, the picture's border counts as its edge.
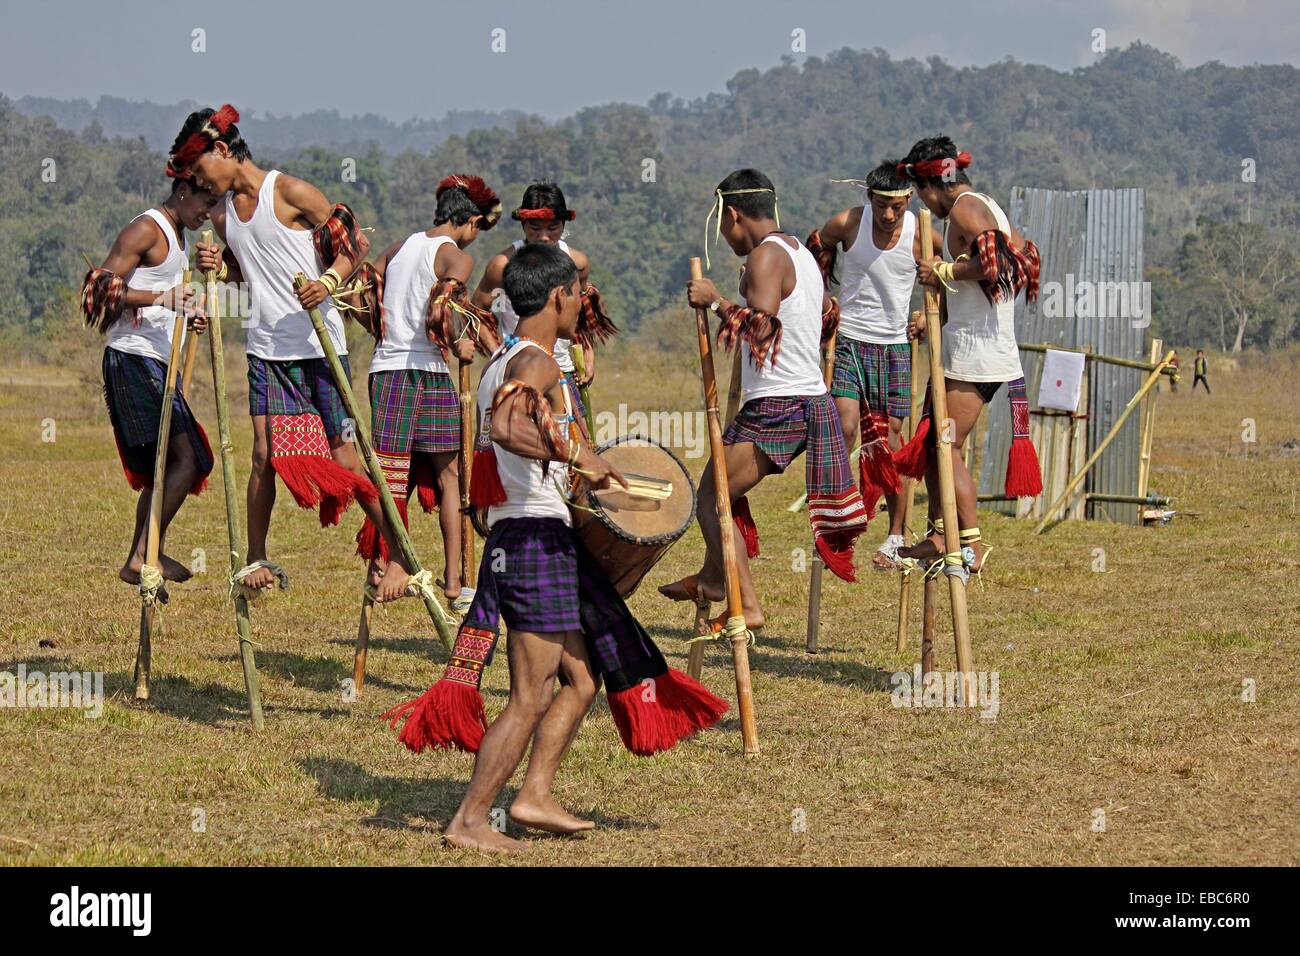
(313, 481)
(679, 707)
(1024, 475)
(485, 488)
(448, 715)
(913, 458)
(869, 489)
(836, 552)
(744, 519)
(370, 543)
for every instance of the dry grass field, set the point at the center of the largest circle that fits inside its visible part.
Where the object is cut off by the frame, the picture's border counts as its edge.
(1119, 691)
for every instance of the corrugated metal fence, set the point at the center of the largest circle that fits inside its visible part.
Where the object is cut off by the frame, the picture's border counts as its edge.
(1092, 294)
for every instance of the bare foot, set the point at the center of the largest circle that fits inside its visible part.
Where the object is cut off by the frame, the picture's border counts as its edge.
(393, 584)
(449, 593)
(978, 548)
(130, 572)
(260, 579)
(925, 550)
(173, 570)
(375, 571)
(883, 561)
(481, 837)
(754, 621)
(545, 814)
(688, 587)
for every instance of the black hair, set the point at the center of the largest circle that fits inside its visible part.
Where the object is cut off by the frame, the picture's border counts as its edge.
(180, 181)
(887, 177)
(545, 195)
(231, 137)
(532, 273)
(455, 206)
(937, 147)
(754, 205)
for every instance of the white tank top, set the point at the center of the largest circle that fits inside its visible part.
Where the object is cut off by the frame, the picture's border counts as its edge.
(979, 339)
(507, 318)
(407, 281)
(269, 255)
(798, 369)
(876, 285)
(529, 494)
(151, 336)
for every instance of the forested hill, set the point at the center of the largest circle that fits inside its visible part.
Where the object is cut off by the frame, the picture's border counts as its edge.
(640, 177)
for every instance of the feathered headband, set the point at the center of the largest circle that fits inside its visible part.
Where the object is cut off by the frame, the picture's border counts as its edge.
(935, 168)
(201, 140)
(479, 194)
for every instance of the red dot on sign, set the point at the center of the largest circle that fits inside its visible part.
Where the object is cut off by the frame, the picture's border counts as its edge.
(1058, 383)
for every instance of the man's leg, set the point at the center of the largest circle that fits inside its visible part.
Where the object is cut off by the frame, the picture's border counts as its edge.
(894, 500)
(850, 410)
(534, 660)
(182, 470)
(534, 805)
(393, 584)
(446, 466)
(130, 572)
(261, 499)
(747, 465)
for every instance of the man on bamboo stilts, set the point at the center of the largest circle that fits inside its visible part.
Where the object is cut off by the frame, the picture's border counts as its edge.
(274, 226)
(985, 264)
(543, 215)
(133, 298)
(872, 383)
(565, 622)
(785, 318)
(415, 303)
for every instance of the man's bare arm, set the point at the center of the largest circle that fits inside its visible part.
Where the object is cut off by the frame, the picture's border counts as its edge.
(491, 281)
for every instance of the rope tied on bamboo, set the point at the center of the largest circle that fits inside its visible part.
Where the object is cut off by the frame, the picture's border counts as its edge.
(420, 584)
(151, 584)
(239, 589)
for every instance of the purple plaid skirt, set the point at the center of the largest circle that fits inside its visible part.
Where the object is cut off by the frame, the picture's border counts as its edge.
(414, 410)
(777, 425)
(297, 387)
(528, 577)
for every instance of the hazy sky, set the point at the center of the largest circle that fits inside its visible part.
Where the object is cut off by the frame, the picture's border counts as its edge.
(404, 58)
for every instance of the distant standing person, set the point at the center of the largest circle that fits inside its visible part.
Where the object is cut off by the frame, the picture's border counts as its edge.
(1199, 368)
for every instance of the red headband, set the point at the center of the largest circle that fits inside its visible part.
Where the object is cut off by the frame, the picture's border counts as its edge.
(201, 140)
(544, 213)
(934, 168)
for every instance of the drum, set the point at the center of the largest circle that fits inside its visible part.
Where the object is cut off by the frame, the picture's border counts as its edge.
(627, 533)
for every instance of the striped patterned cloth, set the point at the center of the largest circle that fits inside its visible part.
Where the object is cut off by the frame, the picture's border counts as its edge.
(414, 410)
(297, 387)
(878, 376)
(783, 428)
(133, 391)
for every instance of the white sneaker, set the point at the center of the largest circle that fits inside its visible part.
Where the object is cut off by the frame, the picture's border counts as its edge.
(890, 551)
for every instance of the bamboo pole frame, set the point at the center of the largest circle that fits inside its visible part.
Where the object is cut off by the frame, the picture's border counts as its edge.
(150, 620)
(1082, 473)
(735, 609)
(439, 617)
(942, 427)
(909, 498)
(584, 391)
(243, 626)
(467, 568)
(1148, 429)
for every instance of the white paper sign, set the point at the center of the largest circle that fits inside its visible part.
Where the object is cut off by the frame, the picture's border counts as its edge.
(1062, 380)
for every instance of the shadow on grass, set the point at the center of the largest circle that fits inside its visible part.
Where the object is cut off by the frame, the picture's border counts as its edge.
(181, 697)
(432, 799)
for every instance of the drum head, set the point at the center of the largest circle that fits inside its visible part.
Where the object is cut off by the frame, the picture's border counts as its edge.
(638, 519)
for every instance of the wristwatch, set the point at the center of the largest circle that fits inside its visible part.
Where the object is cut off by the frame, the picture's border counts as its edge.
(713, 306)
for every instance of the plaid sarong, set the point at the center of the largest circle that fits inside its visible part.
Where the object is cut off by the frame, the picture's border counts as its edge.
(528, 577)
(536, 576)
(297, 387)
(782, 428)
(878, 376)
(133, 391)
(305, 411)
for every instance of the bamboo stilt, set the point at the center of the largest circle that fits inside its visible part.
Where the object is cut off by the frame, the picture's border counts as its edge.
(363, 645)
(1148, 429)
(467, 568)
(1082, 473)
(703, 626)
(584, 391)
(943, 429)
(439, 617)
(929, 598)
(243, 627)
(909, 497)
(149, 618)
(735, 609)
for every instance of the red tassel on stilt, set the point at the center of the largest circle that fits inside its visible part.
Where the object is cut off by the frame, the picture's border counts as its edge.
(744, 519)
(913, 458)
(653, 716)
(449, 714)
(485, 488)
(1024, 475)
(370, 543)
